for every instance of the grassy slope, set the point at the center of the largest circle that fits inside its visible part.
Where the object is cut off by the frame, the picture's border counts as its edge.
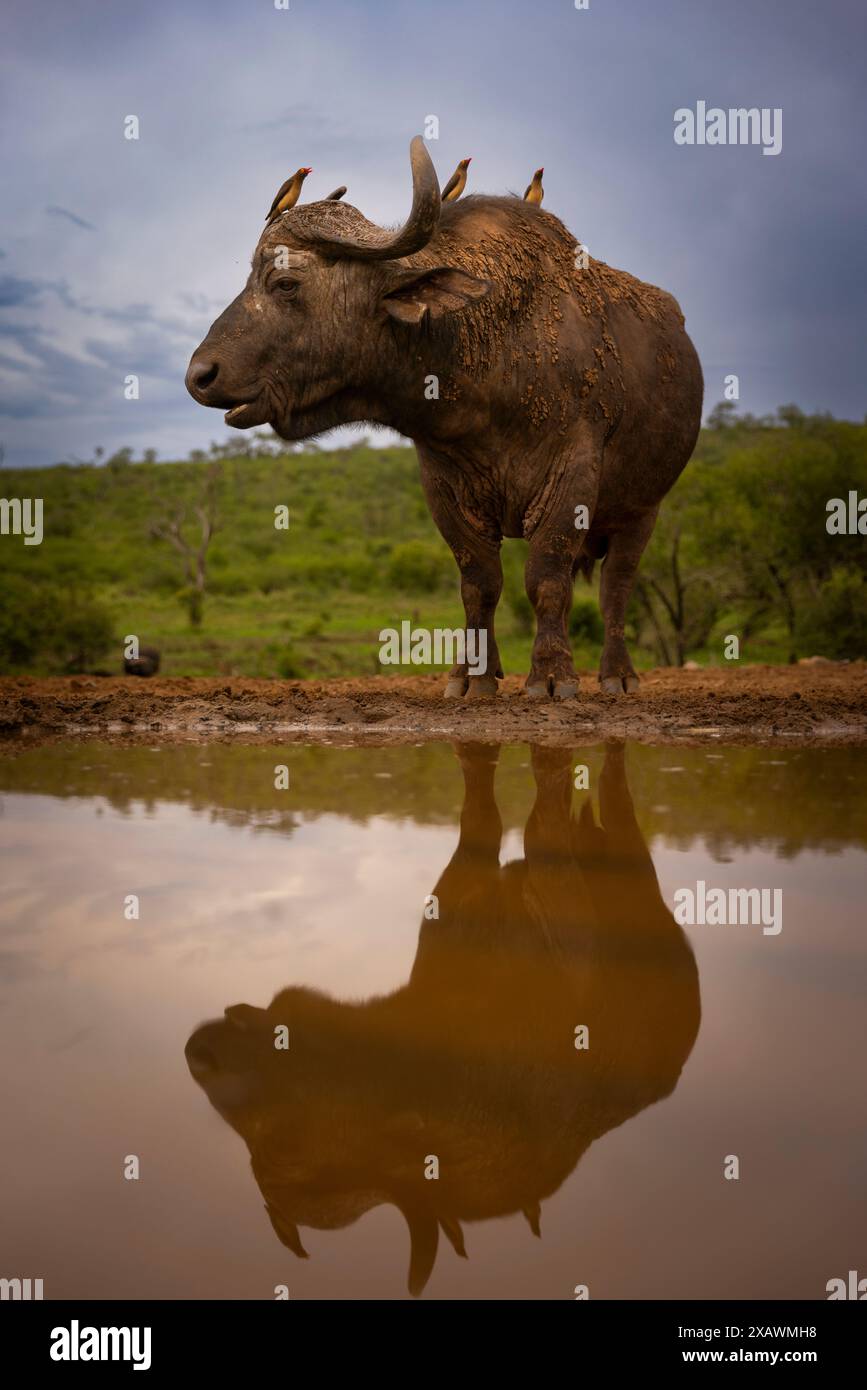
(307, 601)
(311, 599)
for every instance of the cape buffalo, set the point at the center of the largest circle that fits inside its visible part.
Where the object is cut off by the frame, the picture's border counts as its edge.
(475, 1060)
(548, 395)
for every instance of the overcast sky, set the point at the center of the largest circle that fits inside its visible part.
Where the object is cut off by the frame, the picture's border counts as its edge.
(115, 255)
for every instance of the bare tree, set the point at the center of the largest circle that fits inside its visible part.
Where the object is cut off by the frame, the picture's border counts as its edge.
(194, 554)
(677, 588)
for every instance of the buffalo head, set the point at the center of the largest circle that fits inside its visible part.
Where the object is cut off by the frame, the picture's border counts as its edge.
(321, 333)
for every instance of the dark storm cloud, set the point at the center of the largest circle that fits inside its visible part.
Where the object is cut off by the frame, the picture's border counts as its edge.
(14, 291)
(46, 380)
(149, 356)
(764, 253)
(54, 211)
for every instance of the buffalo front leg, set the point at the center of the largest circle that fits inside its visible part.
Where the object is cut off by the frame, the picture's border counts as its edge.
(478, 559)
(625, 548)
(481, 585)
(548, 579)
(477, 552)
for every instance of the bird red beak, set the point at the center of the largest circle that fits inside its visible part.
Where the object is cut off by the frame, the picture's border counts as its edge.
(308, 171)
(469, 161)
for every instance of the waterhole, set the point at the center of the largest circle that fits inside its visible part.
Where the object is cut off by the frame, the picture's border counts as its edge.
(365, 1022)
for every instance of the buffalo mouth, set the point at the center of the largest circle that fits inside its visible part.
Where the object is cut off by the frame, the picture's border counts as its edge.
(313, 417)
(297, 423)
(249, 413)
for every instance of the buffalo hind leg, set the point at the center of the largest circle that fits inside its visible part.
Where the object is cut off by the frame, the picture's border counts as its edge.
(625, 548)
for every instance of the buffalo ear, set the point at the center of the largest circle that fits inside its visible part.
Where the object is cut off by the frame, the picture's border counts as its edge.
(432, 293)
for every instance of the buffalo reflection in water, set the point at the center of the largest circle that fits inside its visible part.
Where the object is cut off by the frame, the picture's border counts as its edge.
(474, 1060)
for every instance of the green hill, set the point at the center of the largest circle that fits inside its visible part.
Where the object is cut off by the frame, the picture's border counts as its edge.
(741, 547)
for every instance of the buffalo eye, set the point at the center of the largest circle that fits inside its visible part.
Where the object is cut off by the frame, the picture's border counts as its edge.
(286, 288)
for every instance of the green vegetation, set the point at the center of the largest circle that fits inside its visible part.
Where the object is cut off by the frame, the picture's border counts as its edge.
(742, 544)
(806, 798)
(187, 557)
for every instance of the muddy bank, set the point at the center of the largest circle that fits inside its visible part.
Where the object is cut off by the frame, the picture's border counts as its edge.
(753, 704)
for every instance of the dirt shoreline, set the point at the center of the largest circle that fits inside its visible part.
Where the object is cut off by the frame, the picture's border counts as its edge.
(815, 704)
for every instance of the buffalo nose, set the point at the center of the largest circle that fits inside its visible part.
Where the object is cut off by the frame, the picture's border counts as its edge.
(201, 374)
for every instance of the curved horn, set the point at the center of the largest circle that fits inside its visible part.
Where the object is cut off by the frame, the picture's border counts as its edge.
(533, 1214)
(376, 244)
(452, 1229)
(286, 1231)
(337, 194)
(423, 1237)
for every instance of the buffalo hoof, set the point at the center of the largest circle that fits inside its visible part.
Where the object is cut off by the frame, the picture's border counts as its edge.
(456, 687)
(482, 688)
(617, 685)
(551, 689)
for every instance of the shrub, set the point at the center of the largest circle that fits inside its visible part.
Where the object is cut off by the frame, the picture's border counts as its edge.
(289, 665)
(835, 623)
(232, 579)
(419, 567)
(84, 632)
(340, 571)
(585, 620)
(58, 630)
(522, 611)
